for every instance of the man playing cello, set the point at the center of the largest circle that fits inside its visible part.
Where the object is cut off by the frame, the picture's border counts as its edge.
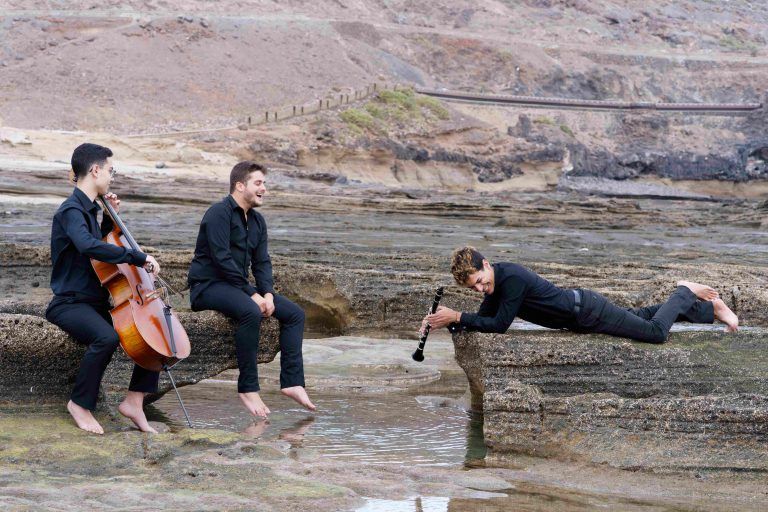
(80, 305)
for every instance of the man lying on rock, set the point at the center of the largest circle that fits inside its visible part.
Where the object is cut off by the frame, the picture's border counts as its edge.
(512, 290)
(80, 305)
(232, 237)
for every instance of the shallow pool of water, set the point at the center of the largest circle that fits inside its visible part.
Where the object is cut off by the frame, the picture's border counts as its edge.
(392, 428)
(533, 499)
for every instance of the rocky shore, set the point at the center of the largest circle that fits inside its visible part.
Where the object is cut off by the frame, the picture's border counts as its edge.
(40, 361)
(698, 402)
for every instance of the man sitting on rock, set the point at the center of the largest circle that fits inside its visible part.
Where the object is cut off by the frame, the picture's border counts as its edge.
(512, 290)
(232, 237)
(80, 305)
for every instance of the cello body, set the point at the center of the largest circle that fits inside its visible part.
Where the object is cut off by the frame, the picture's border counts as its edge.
(150, 333)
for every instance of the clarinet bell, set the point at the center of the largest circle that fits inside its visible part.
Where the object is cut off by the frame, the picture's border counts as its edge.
(418, 355)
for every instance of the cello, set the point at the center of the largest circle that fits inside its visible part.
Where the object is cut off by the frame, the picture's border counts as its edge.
(149, 331)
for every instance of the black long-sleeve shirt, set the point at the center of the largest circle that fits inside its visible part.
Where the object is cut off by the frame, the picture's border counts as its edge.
(227, 244)
(75, 239)
(521, 292)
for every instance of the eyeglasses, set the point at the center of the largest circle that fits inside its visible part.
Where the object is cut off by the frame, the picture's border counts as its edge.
(112, 171)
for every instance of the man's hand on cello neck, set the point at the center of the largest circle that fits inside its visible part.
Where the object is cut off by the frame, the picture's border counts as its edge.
(113, 201)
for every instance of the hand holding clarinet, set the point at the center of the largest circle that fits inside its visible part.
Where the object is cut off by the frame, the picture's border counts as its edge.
(438, 317)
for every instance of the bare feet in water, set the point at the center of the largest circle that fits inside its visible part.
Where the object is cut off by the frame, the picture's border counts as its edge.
(725, 315)
(295, 434)
(133, 409)
(299, 394)
(84, 418)
(252, 401)
(702, 291)
(256, 429)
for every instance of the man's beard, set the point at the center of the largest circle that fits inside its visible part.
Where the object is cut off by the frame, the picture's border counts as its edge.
(252, 201)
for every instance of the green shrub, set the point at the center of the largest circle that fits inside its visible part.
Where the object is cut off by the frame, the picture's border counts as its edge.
(544, 120)
(736, 44)
(434, 106)
(401, 99)
(358, 118)
(375, 111)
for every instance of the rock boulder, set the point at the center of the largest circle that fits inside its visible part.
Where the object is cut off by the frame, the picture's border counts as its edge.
(700, 401)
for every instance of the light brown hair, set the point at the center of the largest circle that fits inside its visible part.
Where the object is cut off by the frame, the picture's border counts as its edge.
(464, 262)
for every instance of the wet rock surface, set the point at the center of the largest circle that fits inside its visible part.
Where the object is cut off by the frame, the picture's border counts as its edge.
(699, 402)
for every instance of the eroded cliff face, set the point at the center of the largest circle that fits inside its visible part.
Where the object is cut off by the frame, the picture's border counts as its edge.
(700, 401)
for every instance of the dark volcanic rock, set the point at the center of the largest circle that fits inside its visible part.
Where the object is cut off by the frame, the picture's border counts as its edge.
(39, 360)
(746, 163)
(698, 402)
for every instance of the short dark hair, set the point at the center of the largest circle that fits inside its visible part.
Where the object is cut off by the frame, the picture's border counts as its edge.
(241, 171)
(465, 261)
(85, 155)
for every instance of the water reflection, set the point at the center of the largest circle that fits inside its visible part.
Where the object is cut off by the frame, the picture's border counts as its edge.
(373, 429)
(293, 434)
(536, 499)
(426, 504)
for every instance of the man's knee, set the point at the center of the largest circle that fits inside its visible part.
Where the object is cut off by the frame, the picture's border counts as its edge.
(292, 312)
(107, 341)
(657, 336)
(252, 315)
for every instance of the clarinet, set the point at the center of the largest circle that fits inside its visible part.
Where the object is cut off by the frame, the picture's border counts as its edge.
(419, 354)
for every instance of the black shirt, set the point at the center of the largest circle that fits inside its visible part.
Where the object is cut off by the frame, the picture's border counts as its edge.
(227, 245)
(521, 292)
(75, 239)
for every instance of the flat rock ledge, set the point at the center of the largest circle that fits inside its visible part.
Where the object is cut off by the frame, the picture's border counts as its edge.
(698, 402)
(40, 361)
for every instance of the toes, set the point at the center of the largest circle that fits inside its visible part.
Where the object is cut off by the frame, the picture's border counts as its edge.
(93, 429)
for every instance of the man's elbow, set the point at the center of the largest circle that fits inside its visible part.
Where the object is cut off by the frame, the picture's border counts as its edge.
(495, 329)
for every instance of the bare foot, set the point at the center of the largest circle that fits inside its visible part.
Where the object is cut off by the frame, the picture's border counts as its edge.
(84, 418)
(725, 315)
(252, 401)
(256, 429)
(702, 291)
(133, 409)
(299, 394)
(295, 434)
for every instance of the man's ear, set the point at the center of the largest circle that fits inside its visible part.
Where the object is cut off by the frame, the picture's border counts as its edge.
(486, 264)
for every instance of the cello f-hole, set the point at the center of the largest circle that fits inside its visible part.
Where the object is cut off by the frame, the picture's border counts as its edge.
(139, 295)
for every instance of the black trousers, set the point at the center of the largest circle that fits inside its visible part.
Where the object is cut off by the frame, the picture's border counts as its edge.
(238, 305)
(650, 324)
(91, 324)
